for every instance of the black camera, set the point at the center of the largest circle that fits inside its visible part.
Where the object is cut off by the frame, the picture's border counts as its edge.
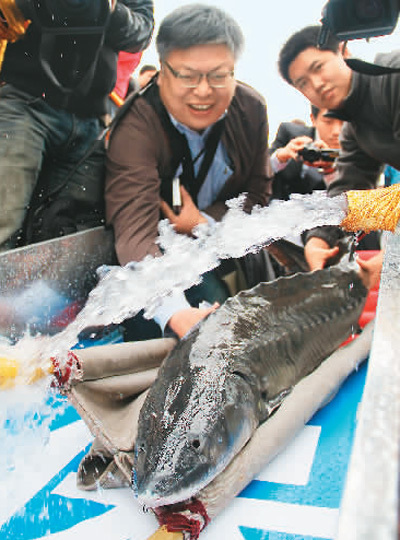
(312, 153)
(65, 14)
(357, 19)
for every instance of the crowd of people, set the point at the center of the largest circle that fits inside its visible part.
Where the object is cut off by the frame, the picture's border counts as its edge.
(187, 132)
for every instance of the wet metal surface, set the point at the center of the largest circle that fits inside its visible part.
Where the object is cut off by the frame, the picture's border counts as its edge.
(42, 279)
(369, 508)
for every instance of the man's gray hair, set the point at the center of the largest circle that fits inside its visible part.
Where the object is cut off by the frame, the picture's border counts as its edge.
(198, 24)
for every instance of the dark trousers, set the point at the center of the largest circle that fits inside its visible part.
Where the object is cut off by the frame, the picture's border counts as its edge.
(41, 144)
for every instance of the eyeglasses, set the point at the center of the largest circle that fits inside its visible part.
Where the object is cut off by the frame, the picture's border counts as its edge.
(192, 79)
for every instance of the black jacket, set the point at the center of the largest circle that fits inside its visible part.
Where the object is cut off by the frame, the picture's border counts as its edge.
(129, 29)
(294, 178)
(370, 136)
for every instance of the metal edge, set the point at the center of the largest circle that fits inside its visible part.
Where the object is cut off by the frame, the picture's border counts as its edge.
(370, 502)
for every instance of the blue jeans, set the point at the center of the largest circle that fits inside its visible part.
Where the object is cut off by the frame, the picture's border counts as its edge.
(40, 142)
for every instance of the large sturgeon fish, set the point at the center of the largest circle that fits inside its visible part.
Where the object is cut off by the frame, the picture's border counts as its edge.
(232, 371)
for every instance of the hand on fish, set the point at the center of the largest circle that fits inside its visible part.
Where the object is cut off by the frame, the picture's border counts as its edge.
(182, 321)
(318, 253)
(370, 270)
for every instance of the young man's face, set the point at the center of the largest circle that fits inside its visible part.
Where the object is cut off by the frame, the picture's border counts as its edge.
(322, 77)
(202, 105)
(328, 129)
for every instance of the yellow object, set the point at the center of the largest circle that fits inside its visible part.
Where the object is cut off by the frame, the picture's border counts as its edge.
(8, 371)
(3, 46)
(116, 99)
(373, 209)
(163, 534)
(39, 373)
(12, 25)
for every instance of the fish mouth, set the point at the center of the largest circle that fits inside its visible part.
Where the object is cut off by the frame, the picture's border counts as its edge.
(178, 479)
(152, 499)
(187, 473)
(162, 489)
(178, 467)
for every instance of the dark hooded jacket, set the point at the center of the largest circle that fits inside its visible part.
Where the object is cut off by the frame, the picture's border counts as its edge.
(129, 28)
(370, 137)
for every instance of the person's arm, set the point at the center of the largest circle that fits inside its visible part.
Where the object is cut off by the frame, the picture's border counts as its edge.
(282, 137)
(131, 25)
(259, 181)
(134, 158)
(132, 194)
(183, 321)
(370, 270)
(284, 154)
(355, 168)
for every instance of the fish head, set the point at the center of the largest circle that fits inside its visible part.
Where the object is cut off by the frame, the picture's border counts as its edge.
(194, 421)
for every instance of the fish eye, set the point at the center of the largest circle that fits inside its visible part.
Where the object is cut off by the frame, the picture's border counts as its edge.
(241, 375)
(195, 443)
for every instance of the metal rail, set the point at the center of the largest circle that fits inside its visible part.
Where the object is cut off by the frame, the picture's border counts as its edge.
(370, 504)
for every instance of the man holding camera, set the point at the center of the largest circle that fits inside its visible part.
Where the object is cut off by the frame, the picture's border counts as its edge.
(370, 107)
(54, 87)
(295, 155)
(196, 126)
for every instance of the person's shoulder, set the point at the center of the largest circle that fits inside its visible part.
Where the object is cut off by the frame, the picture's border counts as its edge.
(245, 92)
(135, 107)
(134, 119)
(293, 129)
(389, 59)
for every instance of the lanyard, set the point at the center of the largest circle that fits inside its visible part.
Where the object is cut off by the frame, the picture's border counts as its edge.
(180, 150)
(188, 177)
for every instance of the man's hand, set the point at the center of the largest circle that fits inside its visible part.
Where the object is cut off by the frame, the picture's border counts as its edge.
(189, 216)
(182, 321)
(370, 270)
(293, 147)
(317, 253)
(327, 167)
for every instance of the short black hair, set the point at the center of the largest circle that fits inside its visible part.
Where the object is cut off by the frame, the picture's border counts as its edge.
(147, 67)
(300, 41)
(315, 111)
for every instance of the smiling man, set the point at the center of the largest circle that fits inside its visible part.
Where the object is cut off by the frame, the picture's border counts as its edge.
(194, 125)
(369, 105)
